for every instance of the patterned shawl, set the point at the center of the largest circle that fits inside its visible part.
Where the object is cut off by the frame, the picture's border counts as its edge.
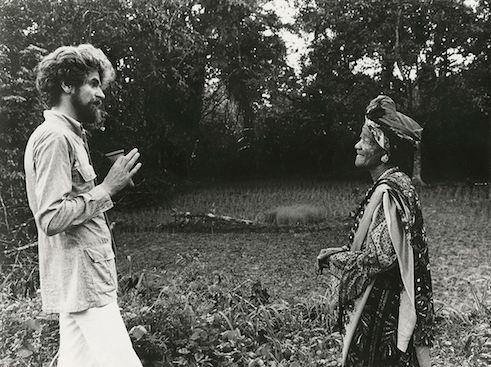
(395, 195)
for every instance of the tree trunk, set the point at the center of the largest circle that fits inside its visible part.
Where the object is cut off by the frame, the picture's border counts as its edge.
(249, 154)
(417, 180)
(415, 105)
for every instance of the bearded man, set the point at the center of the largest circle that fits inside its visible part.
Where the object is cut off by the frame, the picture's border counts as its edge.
(76, 259)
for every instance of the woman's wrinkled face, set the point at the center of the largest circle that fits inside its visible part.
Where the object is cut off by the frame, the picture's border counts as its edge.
(368, 152)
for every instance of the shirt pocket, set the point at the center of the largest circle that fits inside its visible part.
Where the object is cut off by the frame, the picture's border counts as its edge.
(86, 171)
(101, 268)
(83, 173)
(83, 176)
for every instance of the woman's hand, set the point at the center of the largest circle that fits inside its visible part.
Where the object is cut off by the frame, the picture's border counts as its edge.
(324, 254)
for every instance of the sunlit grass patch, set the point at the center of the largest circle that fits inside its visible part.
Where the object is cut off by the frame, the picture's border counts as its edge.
(293, 215)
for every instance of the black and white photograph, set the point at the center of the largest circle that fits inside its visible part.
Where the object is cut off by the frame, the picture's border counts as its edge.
(245, 183)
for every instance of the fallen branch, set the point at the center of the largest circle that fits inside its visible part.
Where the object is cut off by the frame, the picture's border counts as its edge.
(186, 217)
(210, 221)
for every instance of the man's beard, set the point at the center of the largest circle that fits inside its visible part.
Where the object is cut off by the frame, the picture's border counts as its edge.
(90, 115)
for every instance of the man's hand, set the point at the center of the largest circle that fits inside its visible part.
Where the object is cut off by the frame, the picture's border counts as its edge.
(119, 176)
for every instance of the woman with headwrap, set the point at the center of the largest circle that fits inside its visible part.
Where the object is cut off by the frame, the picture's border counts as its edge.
(385, 293)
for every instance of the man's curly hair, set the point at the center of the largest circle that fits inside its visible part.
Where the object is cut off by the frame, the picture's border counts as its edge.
(71, 64)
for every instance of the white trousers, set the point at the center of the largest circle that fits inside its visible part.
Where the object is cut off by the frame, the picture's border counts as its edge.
(96, 337)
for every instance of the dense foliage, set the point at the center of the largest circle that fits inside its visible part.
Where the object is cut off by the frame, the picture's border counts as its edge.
(203, 88)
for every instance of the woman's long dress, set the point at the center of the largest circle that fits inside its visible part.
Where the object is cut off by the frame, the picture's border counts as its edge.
(385, 295)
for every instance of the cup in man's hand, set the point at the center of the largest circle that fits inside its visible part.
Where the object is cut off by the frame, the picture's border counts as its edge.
(113, 157)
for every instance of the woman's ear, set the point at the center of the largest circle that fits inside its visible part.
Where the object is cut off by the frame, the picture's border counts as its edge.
(385, 158)
(68, 89)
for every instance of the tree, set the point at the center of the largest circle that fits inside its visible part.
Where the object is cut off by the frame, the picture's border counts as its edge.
(412, 42)
(165, 53)
(247, 56)
(19, 111)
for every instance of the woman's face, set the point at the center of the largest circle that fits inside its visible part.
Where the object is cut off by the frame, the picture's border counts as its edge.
(368, 152)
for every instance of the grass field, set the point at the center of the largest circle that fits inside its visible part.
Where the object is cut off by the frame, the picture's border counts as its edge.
(254, 299)
(457, 219)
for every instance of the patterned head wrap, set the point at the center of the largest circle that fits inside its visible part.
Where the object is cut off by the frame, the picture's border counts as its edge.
(381, 114)
(378, 134)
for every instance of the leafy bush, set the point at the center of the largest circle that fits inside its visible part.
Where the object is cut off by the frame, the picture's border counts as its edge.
(190, 318)
(26, 337)
(200, 320)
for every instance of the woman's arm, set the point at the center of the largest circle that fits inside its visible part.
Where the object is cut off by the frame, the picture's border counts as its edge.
(359, 267)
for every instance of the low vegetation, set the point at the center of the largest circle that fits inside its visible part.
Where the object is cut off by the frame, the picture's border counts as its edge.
(253, 298)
